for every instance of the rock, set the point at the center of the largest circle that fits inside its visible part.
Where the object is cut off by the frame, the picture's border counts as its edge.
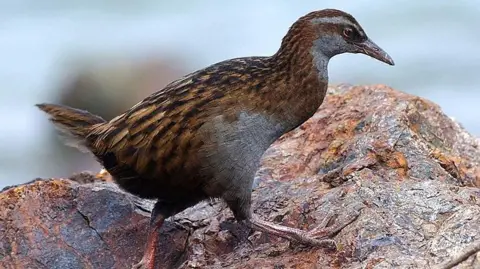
(412, 171)
(62, 224)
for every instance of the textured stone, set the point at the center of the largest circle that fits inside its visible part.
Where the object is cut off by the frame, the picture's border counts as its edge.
(413, 172)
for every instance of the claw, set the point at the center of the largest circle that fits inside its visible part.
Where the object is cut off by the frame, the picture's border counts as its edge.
(322, 231)
(140, 265)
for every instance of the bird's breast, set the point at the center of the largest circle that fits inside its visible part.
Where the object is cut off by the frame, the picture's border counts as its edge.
(233, 146)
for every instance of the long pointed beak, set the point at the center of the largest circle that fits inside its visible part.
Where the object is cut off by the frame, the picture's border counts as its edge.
(373, 50)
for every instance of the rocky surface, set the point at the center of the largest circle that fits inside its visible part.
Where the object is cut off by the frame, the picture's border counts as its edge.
(413, 173)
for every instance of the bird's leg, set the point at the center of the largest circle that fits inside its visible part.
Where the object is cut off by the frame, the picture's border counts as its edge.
(160, 212)
(239, 203)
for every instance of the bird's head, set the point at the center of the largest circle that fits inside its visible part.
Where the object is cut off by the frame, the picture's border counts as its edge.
(330, 32)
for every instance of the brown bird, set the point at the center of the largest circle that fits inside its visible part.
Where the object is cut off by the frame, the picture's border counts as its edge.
(203, 135)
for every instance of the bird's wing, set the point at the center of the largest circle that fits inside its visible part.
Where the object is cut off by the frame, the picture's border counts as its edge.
(158, 131)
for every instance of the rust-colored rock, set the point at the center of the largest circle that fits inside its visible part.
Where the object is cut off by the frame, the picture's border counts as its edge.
(62, 224)
(412, 171)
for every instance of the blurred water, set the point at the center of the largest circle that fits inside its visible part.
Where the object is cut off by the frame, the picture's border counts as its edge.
(434, 44)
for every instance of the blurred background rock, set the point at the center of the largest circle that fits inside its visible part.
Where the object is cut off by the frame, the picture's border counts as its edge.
(105, 56)
(107, 86)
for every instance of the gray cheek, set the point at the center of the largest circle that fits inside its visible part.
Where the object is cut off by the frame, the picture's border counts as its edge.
(330, 45)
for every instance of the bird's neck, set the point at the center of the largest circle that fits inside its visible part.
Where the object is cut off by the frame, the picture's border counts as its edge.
(304, 76)
(321, 63)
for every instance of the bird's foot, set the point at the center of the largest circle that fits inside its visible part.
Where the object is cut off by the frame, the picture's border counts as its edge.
(331, 225)
(292, 234)
(148, 258)
(147, 262)
(315, 237)
(140, 265)
(240, 230)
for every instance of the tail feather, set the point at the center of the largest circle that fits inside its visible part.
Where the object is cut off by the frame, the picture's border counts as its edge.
(75, 124)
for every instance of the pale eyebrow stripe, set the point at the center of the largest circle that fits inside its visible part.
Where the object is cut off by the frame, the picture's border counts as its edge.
(336, 20)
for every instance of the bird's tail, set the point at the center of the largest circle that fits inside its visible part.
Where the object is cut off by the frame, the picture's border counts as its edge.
(75, 124)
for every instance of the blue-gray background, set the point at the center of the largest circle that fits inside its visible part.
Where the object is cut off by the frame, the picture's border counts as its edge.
(435, 45)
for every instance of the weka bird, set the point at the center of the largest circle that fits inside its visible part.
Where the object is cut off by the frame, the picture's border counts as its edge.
(203, 135)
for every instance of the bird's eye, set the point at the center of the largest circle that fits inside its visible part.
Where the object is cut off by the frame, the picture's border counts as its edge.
(348, 32)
